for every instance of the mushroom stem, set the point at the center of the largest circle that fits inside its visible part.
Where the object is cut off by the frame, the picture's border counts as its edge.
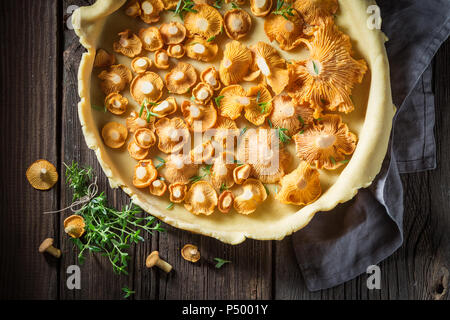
(54, 251)
(163, 265)
(154, 260)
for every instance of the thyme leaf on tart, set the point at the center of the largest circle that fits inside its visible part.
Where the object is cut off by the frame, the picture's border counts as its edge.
(184, 6)
(284, 11)
(218, 4)
(217, 100)
(282, 135)
(234, 5)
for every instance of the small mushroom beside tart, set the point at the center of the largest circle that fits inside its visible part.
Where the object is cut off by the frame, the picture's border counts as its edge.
(42, 175)
(190, 253)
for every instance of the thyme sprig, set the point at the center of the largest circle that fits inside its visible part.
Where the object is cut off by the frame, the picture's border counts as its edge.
(284, 138)
(109, 231)
(282, 10)
(184, 6)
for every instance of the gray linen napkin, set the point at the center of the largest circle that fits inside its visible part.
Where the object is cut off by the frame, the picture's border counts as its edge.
(339, 245)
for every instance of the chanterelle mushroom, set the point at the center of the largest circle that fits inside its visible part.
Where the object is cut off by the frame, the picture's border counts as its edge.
(261, 105)
(129, 44)
(173, 134)
(201, 199)
(179, 168)
(114, 135)
(202, 93)
(262, 149)
(204, 21)
(323, 81)
(260, 8)
(162, 59)
(74, 226)
(147, 86)
(287, 32)
(116, 103)
(201, 50)
(181, 78)
(226, 133)
(137, 152)
(236, 62)
(42, 175)
(233, 100)
(115, 79)
(316, 11)
(290, 115)
(144, 138)
(252, 193)
(141, 64)
(165, 108)
(222, 171)
(158, 187)
(104, 59)
(271, 65)
(150, 10)
(177, 192)
(176, 51)
(144, 174)
(211, 77)
(199, 118)
(134, 122)
(190, 253)
(326, 143)
(237, 23)
(300, 187)
(202, 153)
(133, 9)
(226, 201)
(242, 173)
(173, 32)
(151, 39)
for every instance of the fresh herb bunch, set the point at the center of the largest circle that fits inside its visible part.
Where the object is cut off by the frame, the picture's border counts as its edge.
(282, 10)
(184, 6)
(109, 231)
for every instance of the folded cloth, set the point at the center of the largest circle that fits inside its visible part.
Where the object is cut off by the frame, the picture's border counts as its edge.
(339, 245)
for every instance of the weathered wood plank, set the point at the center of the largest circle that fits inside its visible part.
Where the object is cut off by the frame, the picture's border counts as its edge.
(29, 111)
(97, 278)
(419, 269)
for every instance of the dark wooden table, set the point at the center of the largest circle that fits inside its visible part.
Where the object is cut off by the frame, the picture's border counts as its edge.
(39, 60)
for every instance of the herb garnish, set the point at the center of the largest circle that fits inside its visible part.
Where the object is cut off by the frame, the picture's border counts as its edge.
(283, 10)
(345, 161)
(161, 164)
(235, 5)
(217, 4)
(109, 231)
(211, 39)
(270, 123)
(301, 120)
(267, 189)
(218, 99)
(99, 108)
(243, 131)
(128, 292)
(316, 69)
(282, 135)
(220, 262)
(170, 206)
(223, 187)
(333, 161)
(184, 6)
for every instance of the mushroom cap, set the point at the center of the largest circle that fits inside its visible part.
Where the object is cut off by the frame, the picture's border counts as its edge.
(287, 32)
(260, 8)
(115, 78)
(237, 23)
(128, 44)
(144, 138)
(42, 175)
(226, 201)
(179, 169)
(326, 143)
(137, 152)
(45, 245)
(235, 64)
(202, 153)
(316, 11)
(134, 122)
(252, 194)
(162, 59)
(181, 78)
(271, 65)
(262, 149)
(170, 4)
(260, 106)
(199, 118)
(74, 226)
(242, 173)
(151, 39)
(147, 86)
(150, 10)
(233, 101)
(211, 76)
(190, 253)
(133, 9)
(141, 64)
(201, 199)
(116, 103)
(173, 134)
(177, 191)
(144, 174)
(114, 134)
(152, 259)
(158, 188)
(290, 115)
(222, 171)
(173, 32)
(202, 93)
(199, 49)
(176, 51)
(323, 81)
(226, 133)
(165, 108)
(204, 21)
(104, 59)
(300, 187)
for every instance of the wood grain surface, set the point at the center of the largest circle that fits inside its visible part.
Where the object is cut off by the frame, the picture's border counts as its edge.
(39, 119)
